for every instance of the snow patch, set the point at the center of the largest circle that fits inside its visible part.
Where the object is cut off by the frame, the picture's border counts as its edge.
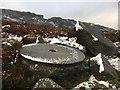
(34, 18)
(55, 40)
(91, 83)
(70, 42)
(115, 62)
(94, 38)
(27, 45)
(36, 65)
(5, 26)
(7, 43)
(117, 44)
(99, 61)
(77, 26)
(15, 37)
(104, 83)
(91, 24)
(37, 39)
(47, 39)
(11, 63)
(63, 38)
(105, 37)
(11, 18)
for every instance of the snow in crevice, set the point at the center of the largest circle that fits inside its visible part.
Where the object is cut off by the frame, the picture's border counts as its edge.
(99, 61)
(94, 38)
(91, 83)
(77, 26)
(37, 39)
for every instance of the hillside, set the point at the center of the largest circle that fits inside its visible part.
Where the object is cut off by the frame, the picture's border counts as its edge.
(99, 45)
(39, 19)
(28, 17)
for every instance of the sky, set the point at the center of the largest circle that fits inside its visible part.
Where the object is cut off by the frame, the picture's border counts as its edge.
(101, 12)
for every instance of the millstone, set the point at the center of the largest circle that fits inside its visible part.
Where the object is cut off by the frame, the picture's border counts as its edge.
(55, 54)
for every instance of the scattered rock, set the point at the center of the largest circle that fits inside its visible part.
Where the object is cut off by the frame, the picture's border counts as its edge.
(28, 39)
(108, 73)
(11, 44)
(93, 83)
(58, 21)
(46, 83)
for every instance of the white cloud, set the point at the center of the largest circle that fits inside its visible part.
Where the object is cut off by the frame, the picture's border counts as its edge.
(109, 19)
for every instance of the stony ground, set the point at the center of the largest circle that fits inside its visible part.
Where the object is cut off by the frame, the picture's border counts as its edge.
(17, 75)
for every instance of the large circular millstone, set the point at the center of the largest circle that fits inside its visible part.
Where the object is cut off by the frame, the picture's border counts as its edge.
(55, 54)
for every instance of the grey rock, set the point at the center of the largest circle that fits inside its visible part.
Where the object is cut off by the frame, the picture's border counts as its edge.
(29, 38)
(58, 21)
(56, 70)
(103, 45)
(108, 73)
(46, 83)
(67, 75)
(14, 45)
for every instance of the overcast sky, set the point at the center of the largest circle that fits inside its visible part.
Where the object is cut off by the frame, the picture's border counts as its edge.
(100, 12)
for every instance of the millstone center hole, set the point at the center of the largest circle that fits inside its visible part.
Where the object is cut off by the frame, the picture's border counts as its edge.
(53, 50)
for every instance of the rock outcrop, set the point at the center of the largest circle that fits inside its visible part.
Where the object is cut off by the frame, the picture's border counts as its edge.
(95, 41)
(108, 73)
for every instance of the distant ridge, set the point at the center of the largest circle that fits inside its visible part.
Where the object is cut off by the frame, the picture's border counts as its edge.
(29, 17)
